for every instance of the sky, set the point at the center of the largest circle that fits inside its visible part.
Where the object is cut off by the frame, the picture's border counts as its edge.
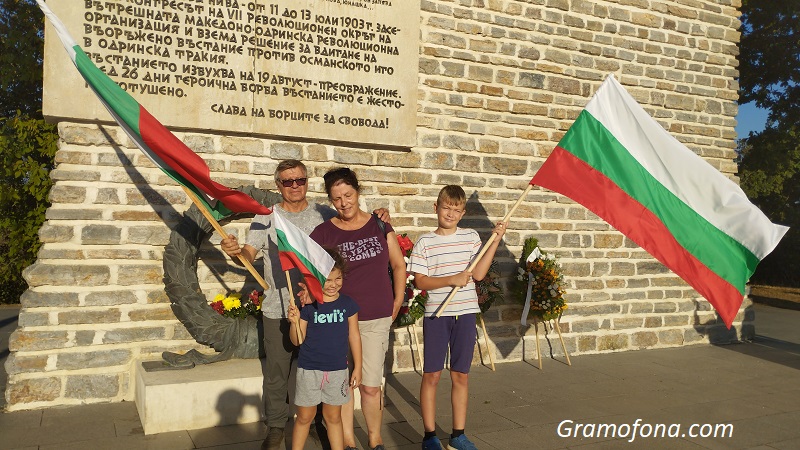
(750, 118)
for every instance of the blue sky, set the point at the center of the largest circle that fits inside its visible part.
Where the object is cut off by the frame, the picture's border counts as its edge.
(750, 118)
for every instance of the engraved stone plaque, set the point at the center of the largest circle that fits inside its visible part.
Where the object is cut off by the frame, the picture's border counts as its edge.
(324, 70)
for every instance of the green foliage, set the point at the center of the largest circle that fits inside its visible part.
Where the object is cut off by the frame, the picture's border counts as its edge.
(27, 150)
(769, 161)
(769, 63)
(769, 170)
(21, 50)
(27, 143)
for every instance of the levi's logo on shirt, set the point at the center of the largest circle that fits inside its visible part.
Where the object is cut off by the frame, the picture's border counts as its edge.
(331, 317)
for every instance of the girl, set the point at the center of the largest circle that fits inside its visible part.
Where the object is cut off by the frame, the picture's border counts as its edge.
(326, 329)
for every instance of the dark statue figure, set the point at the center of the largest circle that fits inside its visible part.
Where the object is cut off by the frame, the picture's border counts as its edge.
(231, 338)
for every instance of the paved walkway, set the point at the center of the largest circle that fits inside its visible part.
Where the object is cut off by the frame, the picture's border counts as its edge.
(752, 387)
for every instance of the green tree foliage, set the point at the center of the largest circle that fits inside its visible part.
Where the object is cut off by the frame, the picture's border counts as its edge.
(27, 143)
(21, 49)
(27, 149)
(769, 164)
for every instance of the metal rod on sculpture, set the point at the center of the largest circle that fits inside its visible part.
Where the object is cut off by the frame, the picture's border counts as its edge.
(477, 259)
(291, 299)
(224, 235)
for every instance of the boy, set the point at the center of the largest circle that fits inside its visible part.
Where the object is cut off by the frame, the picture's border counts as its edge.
(326, 329)
(439, 262)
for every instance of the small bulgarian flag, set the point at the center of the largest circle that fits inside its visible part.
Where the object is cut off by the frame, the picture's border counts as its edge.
(162, 147)
(297, 250)
(621, 164)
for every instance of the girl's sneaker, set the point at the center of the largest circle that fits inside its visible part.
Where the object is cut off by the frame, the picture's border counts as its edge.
(432, 443)
(461, 443)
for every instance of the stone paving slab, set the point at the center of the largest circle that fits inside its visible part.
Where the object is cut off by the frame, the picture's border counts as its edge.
(751, 386)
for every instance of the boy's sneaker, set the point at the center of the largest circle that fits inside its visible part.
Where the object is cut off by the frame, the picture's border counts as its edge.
(432, 443)
(461, 443)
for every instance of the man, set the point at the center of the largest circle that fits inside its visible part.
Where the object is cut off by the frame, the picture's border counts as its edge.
(291, 179)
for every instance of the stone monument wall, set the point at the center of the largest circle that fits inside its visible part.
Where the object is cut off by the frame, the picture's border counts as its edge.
(499, 83)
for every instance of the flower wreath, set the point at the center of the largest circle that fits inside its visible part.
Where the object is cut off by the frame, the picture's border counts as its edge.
(232, 305)
(414, 305)
(488, 288)
(540, 283)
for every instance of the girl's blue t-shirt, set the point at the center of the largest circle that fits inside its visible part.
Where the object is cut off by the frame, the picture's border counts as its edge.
(327, 334)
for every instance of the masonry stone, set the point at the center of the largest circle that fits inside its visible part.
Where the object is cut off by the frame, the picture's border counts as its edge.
(33, 299)
(92, 386)
(612, 342)
(40, 274)
(32, 390)
(92, 359)
(106, 315)
(29, 341)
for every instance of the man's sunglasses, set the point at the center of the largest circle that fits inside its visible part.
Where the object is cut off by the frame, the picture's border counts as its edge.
(290, 183)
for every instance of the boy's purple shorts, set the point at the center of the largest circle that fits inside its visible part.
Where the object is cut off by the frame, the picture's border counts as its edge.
(459, 332)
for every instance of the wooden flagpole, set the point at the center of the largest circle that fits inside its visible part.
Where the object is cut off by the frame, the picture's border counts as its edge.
(224, 235)
(291, 299)
(482, 252)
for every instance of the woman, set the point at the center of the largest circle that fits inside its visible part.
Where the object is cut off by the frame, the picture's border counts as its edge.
(369, 251)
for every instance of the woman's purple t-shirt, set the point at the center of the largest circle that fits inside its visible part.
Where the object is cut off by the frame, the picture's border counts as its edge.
(367, 253)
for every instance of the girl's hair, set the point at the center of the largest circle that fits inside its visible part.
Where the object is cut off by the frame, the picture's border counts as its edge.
(340, 175)
(338, 260)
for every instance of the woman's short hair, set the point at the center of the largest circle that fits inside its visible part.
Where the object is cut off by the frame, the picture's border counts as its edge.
(340, 175)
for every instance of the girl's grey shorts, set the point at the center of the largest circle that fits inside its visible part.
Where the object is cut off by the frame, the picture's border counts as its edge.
(315, 386)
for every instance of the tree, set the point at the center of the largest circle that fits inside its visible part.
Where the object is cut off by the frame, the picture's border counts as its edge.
(27, 143)
(27, 149)
(769, 163)
(21, 49)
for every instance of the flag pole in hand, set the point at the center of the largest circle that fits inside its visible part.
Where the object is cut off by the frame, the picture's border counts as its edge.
(291, 298)
(222, 233)
(477, 259)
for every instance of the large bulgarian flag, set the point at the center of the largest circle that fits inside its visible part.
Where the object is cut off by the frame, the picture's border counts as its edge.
(621, 164)
(297, 250)
(162, 147)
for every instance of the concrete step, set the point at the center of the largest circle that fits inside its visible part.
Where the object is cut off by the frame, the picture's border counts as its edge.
(210, 395)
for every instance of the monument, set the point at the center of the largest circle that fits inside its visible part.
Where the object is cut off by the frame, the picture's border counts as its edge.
(412, 96)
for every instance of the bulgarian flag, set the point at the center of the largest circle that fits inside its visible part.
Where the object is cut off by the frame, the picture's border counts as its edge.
(297, 250)
(621, 164)
(162, 147)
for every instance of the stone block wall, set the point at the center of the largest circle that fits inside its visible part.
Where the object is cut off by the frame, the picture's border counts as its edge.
(500, 82)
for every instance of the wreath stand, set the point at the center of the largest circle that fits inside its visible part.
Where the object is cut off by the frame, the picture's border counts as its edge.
(413, 339)
(557, 326)
(486, 342)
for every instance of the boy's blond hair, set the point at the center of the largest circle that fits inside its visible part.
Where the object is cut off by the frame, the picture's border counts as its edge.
(452, 195)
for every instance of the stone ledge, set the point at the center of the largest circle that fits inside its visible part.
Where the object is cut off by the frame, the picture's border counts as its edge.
(223, 393)
(212, 395)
